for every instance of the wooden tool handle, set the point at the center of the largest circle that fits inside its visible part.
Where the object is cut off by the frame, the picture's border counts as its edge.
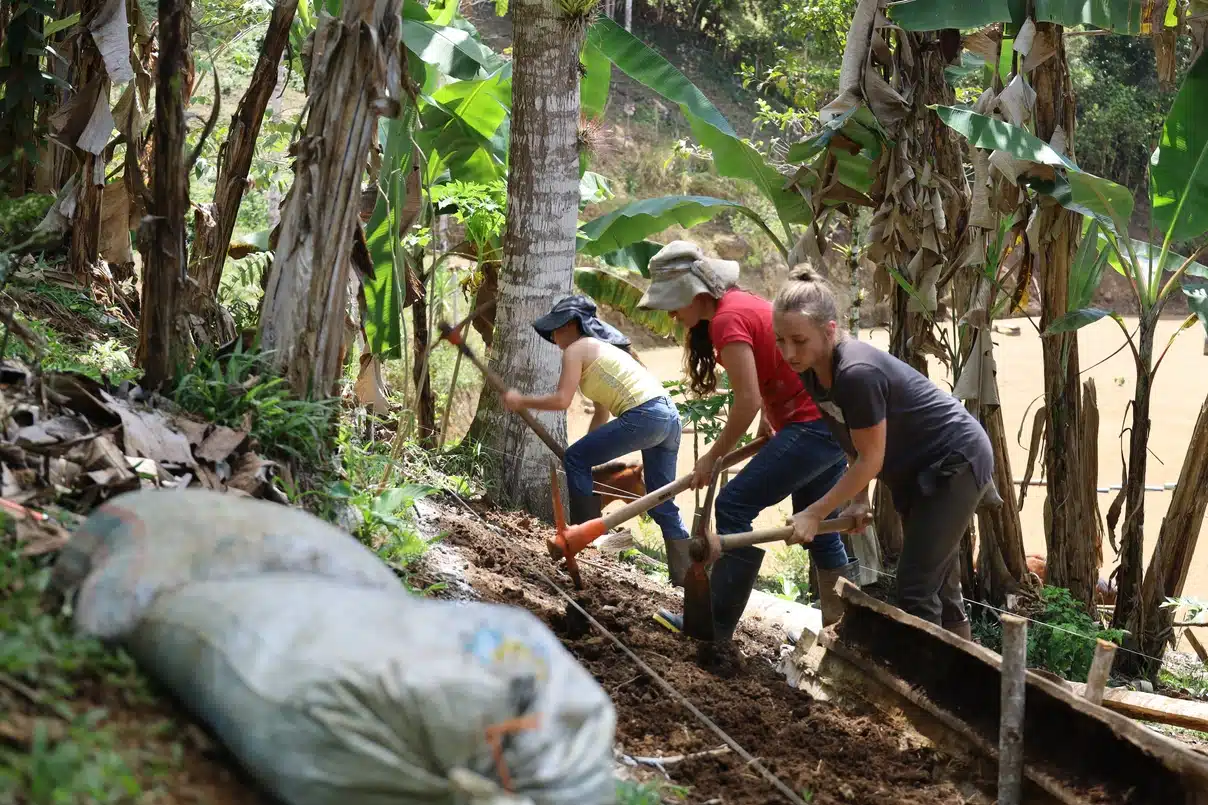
(496, 382)
(731, 541)
(652, 499)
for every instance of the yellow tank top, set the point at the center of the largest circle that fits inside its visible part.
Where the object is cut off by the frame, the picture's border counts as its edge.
(618, 382)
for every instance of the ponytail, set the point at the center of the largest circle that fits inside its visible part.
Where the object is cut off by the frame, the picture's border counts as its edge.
(808, 293)
(700, 361)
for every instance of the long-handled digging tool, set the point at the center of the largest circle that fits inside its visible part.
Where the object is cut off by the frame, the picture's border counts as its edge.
(613, 479)
(698, 594)
(570, 539)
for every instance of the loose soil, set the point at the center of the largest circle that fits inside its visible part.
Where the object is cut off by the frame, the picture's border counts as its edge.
(838, 757)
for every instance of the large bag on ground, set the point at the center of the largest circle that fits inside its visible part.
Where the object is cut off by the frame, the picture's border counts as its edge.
(144, 543)
(332, 694)
(327, 680)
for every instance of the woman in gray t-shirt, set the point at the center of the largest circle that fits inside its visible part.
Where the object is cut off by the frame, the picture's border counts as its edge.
(898, 427)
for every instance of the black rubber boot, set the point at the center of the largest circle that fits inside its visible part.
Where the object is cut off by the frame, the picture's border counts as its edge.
(584, 508)
(730, 584)
(733, 579)
(678, 559)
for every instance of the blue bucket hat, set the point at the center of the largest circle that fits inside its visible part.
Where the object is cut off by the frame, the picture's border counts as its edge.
(582, 310)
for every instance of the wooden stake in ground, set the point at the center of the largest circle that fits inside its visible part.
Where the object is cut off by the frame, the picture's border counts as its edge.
(1101, 667)
(1010, 727)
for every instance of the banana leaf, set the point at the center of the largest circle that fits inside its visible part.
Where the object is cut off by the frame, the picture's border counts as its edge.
(623, 296)
(482, 104)
(593, 189)
(597, 76)
(935, 15)
(1077, 319)
(1178, 171)
(1072, 188)
(1120, 16)
(456, 150)
(1197, 302)
(637, 221)
(646, 66)
(633, 258)
(732, 156)
(1087, 269)
(452, 50)
(383, 292)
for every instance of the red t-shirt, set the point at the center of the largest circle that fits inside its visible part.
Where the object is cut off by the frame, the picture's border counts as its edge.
(745, 318)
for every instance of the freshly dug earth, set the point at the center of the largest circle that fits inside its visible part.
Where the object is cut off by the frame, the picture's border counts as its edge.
(816, 748)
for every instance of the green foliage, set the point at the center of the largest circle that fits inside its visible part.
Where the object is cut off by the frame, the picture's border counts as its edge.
(477, 206)
(649, 793)
(1070, 186)
(1178, 173)
(1120, 105)
(618, 293)
(792, 581)
(73, 754)
(19, 216)
(733, 156)
(236, 392)
(637, 221)
(1063, 639)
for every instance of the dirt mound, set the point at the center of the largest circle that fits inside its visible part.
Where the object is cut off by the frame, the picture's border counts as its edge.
(814, 747)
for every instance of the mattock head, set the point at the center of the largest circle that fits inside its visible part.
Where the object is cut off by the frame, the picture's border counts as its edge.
(557, 546)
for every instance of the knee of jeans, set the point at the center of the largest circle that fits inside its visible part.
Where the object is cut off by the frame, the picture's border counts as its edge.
(732, 514)
(578, 473)
(828, 552)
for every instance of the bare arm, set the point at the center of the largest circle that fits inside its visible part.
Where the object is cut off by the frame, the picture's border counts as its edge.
(739, 361)
(853, 484)
(560, 400)
(598, 417)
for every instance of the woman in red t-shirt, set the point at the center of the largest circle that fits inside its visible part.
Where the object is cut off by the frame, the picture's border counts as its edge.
(730, 326)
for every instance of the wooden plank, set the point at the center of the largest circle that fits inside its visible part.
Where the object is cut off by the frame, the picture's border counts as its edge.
(1075, 750)
(1143, 706)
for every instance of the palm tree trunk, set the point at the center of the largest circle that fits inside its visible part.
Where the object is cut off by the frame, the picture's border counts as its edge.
(539, 243)
(354, 78)
(1073, 517)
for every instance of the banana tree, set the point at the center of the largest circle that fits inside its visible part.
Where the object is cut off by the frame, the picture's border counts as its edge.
(1178, 192)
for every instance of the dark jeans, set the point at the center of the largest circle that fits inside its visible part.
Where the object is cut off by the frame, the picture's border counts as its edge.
(652, 427)
(802, 460)
(933, 524)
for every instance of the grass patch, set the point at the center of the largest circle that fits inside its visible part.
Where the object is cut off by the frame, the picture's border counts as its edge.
(1065, 646)
(653, 792)
(57, 746)
(237, 392)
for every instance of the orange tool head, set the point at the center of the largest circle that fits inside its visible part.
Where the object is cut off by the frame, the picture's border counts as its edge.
(570, 539)
(558, 547)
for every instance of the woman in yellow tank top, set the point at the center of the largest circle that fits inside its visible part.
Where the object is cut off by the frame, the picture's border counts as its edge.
(596, 360)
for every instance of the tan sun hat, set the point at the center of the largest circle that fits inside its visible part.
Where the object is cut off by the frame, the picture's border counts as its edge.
(680, 271)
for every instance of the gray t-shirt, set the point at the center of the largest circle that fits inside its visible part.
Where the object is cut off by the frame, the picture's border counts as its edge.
(927, 429)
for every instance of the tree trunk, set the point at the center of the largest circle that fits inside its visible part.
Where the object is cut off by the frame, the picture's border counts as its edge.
(354, 77)
(425, 403)
(1150, 623)
(84, 254)
(1132, 541)
(162, 237)
(538, 244)
(19, 121)
(1071, 549)
(1001, 531)
(215, 223)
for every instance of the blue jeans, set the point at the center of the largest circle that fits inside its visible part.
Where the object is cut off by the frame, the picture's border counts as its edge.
(652, 427)
(802, 460)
